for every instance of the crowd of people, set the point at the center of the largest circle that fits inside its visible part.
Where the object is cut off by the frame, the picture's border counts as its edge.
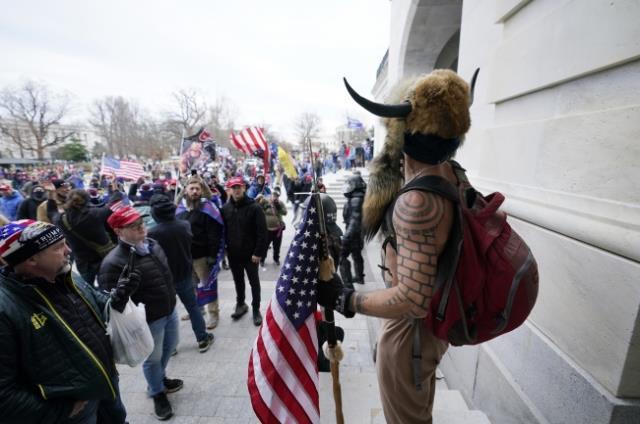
(150, 241)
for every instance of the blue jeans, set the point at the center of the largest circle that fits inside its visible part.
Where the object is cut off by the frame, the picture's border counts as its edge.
(165, 340)
(186, 293)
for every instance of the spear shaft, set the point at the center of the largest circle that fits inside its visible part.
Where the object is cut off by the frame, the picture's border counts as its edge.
(334, 351)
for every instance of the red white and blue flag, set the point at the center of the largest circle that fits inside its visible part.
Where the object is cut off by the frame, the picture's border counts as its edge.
(252, 141)
(283, 373)
(121, 168)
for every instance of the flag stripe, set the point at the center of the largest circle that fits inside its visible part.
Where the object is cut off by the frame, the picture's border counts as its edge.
(265, 394)
(121, 168)
(291, 366)
(240, 144)
(249, 139)
(297, 345)
(283, 388)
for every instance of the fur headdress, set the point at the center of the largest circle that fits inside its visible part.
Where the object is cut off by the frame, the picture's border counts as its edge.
(432, 106)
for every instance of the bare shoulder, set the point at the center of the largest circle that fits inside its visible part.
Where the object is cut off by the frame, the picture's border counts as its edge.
(418, 211)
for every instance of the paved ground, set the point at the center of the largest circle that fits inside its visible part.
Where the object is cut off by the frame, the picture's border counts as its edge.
(215, 382)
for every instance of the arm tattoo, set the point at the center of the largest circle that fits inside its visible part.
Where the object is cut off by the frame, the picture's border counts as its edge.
(415, 218)
(358, 302)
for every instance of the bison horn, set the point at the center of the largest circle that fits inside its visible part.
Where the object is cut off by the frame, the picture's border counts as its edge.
(380, 109)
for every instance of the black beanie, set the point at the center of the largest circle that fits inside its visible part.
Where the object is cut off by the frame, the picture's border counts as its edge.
(162, 209)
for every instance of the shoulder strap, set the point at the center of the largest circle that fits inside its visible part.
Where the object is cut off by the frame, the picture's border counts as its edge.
(434, 184)
(101, 250)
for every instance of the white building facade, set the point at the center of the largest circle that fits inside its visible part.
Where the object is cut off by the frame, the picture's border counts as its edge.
(556, 128)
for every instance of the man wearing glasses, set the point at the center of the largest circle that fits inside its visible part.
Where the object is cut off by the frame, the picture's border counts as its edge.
(149, 282)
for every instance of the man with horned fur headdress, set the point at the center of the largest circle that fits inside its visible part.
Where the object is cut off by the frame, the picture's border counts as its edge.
(423, 133)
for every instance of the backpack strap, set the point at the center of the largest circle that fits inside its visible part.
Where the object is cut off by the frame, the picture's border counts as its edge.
(434, 184)
(100, 249)
(448, 259)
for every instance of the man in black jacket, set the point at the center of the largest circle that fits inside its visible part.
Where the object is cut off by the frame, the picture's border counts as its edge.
(86, 231)
(155, 291)
(56, 361)
(175, 239)
(28, 209)
(197, 209)
(246, 238)
(352, 241)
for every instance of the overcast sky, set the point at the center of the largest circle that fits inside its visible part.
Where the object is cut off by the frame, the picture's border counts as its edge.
(274, 59)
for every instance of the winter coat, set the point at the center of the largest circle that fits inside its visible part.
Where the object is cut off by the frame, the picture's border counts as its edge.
(245, 229)
(207, 233)
(156, 290)
(50, 209)
(175, 238)
(87, 234)
(352, 216)
(44, 368)
(273, 213)
(257, 189)
(28, 209)
(9, 205)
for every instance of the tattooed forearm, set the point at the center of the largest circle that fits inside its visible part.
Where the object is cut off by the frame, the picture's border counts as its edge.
(358, 303)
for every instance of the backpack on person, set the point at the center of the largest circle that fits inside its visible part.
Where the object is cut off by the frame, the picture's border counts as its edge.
(487, 279)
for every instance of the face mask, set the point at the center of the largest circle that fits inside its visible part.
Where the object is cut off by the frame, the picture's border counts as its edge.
(38, 195)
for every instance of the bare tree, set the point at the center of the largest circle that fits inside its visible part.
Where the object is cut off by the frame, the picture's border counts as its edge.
(222, 116)
(118, 121)
(31, 114)
(307, 126)
(189, 114)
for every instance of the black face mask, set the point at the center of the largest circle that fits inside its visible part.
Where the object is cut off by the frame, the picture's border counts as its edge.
(38, 195)
(429, 148)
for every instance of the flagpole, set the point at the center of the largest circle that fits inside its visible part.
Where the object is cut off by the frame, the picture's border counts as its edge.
(334, 352)
(178, 182)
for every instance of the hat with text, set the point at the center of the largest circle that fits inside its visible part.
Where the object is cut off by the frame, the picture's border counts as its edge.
(19, 240)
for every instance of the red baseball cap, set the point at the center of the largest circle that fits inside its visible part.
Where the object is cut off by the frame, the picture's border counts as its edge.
(123, 217)
(234, 182)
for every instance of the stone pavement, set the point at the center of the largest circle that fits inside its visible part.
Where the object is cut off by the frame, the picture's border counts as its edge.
(215, 388)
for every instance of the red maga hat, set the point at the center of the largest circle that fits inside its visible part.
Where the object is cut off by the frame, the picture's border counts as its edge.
(123, 217)
(234, 182)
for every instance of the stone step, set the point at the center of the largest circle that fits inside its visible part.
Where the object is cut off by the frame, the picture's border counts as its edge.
(440, 417)
(361, 400)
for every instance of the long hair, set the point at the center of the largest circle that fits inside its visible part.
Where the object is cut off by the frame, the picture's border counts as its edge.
(77, 199)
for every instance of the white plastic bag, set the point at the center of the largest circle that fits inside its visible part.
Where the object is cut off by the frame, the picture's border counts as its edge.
(130, 334)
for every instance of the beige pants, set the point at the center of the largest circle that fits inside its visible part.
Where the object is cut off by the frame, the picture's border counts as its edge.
(200, 274)
(401, 401)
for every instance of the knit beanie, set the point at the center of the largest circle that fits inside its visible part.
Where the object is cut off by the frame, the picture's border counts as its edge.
(19, 240)
(162, 209)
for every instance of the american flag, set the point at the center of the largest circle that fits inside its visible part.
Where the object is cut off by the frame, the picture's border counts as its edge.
(252, 141)
(249, 140)
(283, 373)
(121, 168)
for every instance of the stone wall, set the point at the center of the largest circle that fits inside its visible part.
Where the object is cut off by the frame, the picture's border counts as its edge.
(555, 128)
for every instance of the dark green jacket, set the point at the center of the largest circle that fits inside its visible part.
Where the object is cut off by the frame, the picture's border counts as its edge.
(44, 367)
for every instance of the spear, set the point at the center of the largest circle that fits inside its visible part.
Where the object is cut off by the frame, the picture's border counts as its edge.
(332, 350)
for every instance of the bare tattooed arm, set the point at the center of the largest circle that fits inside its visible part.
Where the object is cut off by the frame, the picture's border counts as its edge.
(416, 217)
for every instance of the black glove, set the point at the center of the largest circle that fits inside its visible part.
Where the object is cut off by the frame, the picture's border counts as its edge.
(334, 295)
(127, 284)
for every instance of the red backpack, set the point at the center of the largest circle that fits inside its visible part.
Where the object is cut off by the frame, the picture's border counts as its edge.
(487, 280)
